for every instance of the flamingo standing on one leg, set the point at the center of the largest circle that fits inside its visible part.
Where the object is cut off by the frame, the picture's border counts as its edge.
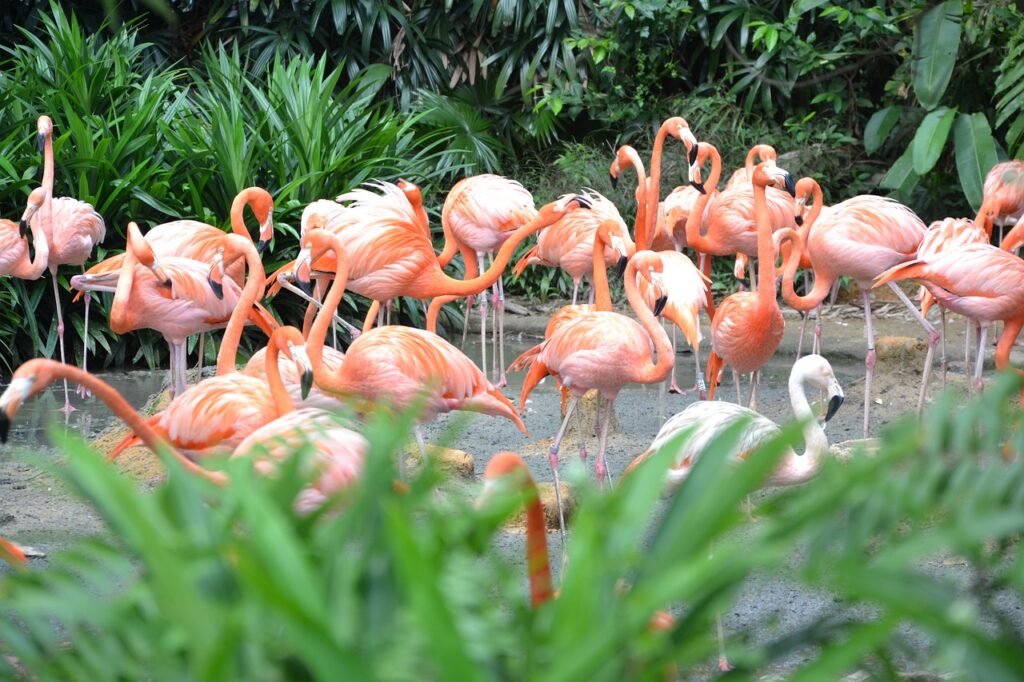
(707, 420)
(73, 228)
(860, 238)
(748, 326)
(604, 351)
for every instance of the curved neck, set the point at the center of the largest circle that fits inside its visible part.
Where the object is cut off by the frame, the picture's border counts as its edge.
(765, 252)
(451, 245)
(250, 294)
(812, 215)
(1011, 330)
(653, 372)
(805, 466)
(537, 563)
(653, 192)
(751, 157)
(984, 221)
(602, 291)
(282, 399)
(695, 221)
(640, 228)
(442, 284)
(318, 332)
(34, 267)
(48, 176)
(822, 281)
(139, 426)
(238, 205)
(120, 321)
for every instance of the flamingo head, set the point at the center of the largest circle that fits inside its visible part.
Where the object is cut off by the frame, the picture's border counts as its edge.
(624, 156)
(504, 468)
(694, 169)
(44, 128)
(28, 380)
(816, 372)
(216, 276)
(289, 341)
(262, 205)
(143, 252)
(767, 173)
(648, 265)
(411, 190)
(806, 190)
(303, 275)
(32, 206)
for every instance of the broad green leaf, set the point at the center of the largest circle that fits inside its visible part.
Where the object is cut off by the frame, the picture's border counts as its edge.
(879, 126)
(935, 46)
(975, 154)
(901, 177)
(931, 138)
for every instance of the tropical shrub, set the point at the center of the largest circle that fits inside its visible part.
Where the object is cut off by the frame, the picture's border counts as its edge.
(198, 582)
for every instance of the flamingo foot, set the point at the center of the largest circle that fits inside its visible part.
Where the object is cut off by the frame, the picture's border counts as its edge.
(68, 407)
(600, 472)
(674, 388)
(723, 664)
(83, 392)
(934, 337)
(583, 455)
(502, 381)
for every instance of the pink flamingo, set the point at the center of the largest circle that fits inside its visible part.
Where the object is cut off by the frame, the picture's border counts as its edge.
(569, 243)
(73, 228)
(14, 252)
(748, 326)
(396, 365)
(604, 351)
(861, 238)
(1004, 192)
(741, 177)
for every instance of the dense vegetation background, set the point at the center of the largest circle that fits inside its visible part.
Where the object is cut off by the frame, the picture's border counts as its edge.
(166, 108)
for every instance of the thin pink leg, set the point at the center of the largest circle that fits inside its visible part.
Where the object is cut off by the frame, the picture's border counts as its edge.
(483, 322)
(68, 407)
(817, 331)
(967, 347)
(673, 385)
(933, 340)
(601, 469)
(500, 305)
(583, 438)
(465, 320)
(945, 363)
(739, 391)
(82, 391)
(723, 662)
(553, 461)
(869, 361)
(979, 366)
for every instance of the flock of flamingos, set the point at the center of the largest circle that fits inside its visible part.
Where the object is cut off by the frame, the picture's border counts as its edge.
(186, 277)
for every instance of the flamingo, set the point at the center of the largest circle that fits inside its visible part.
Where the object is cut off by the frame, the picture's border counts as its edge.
(728, 218)
(748, 326)
(14, 252)
(395, 364)
(707, 420)
(508, 468)
(604, 351)
(678, 128)
(807, 189)
(569, 243)
(11, 553)
(740, 178)
(480, 213)
(1004, 191)
(861, 237)
(72, 228)
(173, 296)
(980, 282)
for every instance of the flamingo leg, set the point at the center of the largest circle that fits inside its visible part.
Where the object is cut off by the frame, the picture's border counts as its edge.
(723, 662)
(82, 391)
(553, 461)
(68, 408)
(833, 294)
(979, 365)
(702, 389)
(816, 347)
(172, 360)
(387, 310)
(739, 391)
(803, 318)
(583, 437)
(202, 353)
(933, 340)
(869, 361)
(945, 364)
(483, 321)
(591, 295)
(500, 306)
(673, 385)
(575, 290)
(967, 348)
(354, 332)
(601, 469)
(752, 396)
(465, 320)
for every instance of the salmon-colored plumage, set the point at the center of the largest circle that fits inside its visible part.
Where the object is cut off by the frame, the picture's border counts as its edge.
(1004, 191)
(15, 259)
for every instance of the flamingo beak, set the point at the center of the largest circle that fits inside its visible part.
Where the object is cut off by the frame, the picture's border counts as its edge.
(614, 180)
(23, 228)
(799, 219)
(261, 246)
(42, 141)
(699, 186)
(790, 184)
(835, 399)
(659, 304)
(582, 201)
(620, 267)
(216, 287)
(693, 155)
(306, 383)
(5, 426)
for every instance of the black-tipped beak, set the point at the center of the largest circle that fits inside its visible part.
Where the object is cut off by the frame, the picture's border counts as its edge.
(583, 201)
(614, 180)
(659, 305)
(5, 426)
(799, 220)
(699, 186)
(620, 267)
(790, 185)
(306, 285)
(306, 383)
(693, 154)
(833, 406)
(261, 246)
(23, 228)
(42, 141)
(217, 288)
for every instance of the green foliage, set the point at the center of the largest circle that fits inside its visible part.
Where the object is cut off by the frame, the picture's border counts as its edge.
(197, 582)
(1010, 91)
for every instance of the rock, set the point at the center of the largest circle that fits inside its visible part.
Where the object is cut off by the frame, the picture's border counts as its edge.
(901, 349)
(514, 308)
(546, 491)
(848, 448)
(453, 462)
(32, 552)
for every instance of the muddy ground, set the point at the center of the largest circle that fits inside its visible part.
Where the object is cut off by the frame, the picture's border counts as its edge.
(36, 512)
